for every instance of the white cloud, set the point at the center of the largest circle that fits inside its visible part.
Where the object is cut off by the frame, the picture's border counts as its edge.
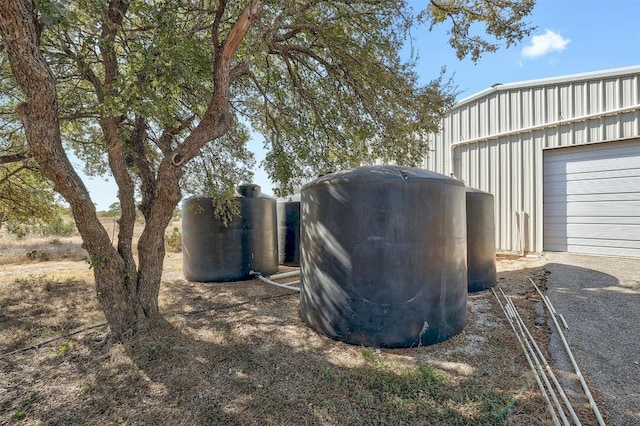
(548, 42)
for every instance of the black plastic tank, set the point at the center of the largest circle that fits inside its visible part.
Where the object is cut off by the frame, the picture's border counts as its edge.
(289, 231)
(383, 256)
(481, 240)
(213, 251)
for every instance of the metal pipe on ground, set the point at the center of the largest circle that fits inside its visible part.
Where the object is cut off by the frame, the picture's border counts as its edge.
(285, 275)
(268, 281)
(550, 305)
(587, 392)
(543, 390)
(566, 326)
(511, 311)
(546, 365)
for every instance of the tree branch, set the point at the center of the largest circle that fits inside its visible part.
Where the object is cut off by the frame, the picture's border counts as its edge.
(286, 48)
(114, 16)
(140, 160)
(13, 158)
(85, 70)
(10, 175)
(215, 121)
(215, 29)
(112, 21)
(164, 142)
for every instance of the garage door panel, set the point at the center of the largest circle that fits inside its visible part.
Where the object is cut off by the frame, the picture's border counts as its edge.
(603, 242)
(604, 232)
(562, 220)
(596, 166)
(597, 152)
(592, 199)
(603, 186)
(592, 246)
(617, 197)
(606, 210)
(602, 174)
(560, 167)
(603, 250)
(621, 185)
(626, 233)
(603, 209)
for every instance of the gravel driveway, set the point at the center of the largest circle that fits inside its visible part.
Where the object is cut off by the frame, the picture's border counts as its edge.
(600, 299)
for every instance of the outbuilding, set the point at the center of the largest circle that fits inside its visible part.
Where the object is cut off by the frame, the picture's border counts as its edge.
(561, 156)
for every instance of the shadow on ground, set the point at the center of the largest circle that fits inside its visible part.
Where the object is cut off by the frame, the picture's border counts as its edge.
(254, 378)
(238, 353)
(599, 299)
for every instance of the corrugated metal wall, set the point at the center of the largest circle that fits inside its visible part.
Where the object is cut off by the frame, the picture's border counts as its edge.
(494, 140)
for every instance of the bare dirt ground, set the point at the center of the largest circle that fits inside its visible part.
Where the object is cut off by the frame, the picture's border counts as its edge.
(238, 353)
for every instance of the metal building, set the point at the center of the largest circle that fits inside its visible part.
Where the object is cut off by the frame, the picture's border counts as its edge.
(561, 156)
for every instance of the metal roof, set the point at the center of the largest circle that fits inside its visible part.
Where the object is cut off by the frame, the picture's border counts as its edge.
(593, 75)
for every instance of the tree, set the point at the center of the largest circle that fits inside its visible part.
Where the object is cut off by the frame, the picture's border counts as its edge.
(156, 92)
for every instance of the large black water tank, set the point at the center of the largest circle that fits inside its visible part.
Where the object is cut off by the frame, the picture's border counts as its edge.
(289, 231)
(383, 256)
(481, 240)
(214, 252)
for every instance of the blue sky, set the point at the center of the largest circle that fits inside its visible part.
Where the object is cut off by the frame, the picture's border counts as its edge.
(572, 36)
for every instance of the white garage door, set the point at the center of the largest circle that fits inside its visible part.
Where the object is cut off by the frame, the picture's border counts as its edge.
(592, 199)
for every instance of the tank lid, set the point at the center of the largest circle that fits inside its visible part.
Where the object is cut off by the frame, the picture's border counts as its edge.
(383, 173)
(249, 190)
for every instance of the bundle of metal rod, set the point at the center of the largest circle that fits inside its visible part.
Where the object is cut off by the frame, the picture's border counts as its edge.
(587, 392)
(541, 362)
(535, 371)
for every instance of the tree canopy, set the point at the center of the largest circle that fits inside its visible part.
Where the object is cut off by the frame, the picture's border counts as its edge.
(163, 95)
(321, 80)
(26, 195)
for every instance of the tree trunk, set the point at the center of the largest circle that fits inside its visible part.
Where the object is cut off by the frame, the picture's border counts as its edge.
(122, 291)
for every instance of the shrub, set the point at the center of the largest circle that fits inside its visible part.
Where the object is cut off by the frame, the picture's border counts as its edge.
(40, 256)
(17, 229)
(56, 227)
(174, 241)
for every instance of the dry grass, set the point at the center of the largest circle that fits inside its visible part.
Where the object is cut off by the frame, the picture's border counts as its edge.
(238, 353)
(32, 250)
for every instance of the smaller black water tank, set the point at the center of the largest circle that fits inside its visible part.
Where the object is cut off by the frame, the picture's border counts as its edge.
(289, 231)
(481, 245)
(213, 251)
